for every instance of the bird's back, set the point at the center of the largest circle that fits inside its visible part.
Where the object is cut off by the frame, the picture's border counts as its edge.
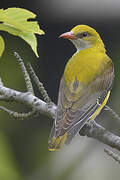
(85, 65)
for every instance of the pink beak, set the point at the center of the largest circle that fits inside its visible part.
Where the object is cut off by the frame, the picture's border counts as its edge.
(68, 35)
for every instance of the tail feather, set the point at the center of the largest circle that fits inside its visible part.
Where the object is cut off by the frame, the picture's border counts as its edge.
(57, 142)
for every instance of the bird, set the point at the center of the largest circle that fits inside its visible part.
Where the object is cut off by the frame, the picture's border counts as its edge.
(85, 86)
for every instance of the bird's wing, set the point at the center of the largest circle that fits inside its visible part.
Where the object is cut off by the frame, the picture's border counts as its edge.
(76, 108)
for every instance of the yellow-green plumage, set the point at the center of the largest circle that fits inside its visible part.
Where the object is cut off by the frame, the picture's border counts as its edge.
(84, 88)
(83, 68)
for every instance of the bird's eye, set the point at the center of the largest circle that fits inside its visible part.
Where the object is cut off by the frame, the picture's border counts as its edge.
(84, 34)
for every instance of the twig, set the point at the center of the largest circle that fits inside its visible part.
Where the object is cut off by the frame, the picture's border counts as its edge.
(115, 115)
(112, 154)
(39, 84)
(20, 116)
(25, 73)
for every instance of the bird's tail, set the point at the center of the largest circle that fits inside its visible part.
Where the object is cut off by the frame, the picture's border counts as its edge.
(57, 142)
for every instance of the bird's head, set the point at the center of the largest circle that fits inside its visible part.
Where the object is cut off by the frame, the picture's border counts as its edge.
(83, 37)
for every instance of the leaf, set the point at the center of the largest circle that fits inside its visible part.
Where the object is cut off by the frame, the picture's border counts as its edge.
(2, 46)
(15, 21)
(28, 37)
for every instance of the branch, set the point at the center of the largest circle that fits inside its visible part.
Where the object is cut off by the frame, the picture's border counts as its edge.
(113, 113)
(30, 100)
(112, 154)
(98, 132)
(48, 108)
(4, 98)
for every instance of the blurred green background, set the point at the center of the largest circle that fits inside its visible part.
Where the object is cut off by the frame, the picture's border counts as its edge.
(24, 144)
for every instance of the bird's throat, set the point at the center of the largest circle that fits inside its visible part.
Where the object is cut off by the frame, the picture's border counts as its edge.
(81, 44)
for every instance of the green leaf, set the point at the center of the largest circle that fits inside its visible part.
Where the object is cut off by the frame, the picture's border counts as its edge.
(2, 46)
(15, 21)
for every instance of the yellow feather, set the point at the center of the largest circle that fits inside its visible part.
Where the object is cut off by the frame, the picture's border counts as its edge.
(100, 107)
(85, 66)
(57, 142)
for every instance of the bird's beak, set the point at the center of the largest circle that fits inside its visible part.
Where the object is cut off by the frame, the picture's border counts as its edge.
(68, 35)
